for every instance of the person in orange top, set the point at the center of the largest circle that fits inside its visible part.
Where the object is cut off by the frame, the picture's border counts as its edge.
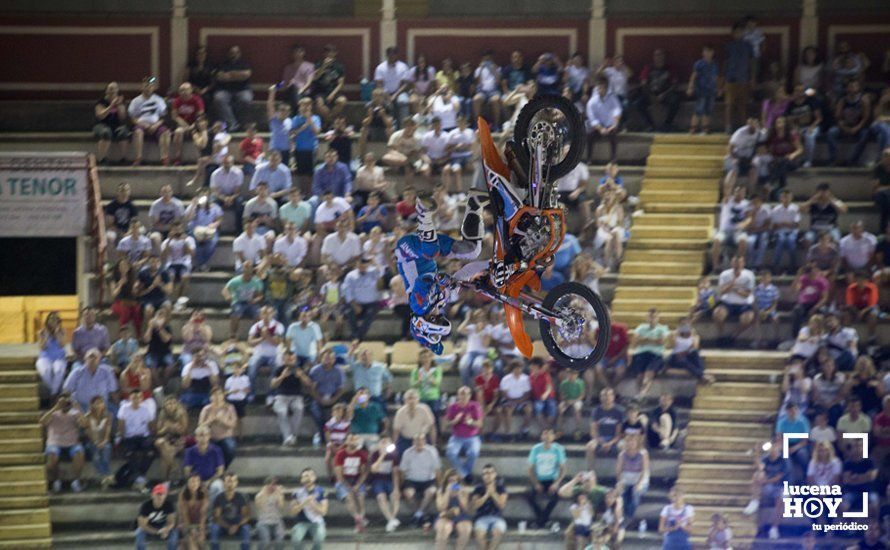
(862, 302)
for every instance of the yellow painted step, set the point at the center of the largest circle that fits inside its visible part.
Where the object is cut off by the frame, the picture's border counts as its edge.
(685, 256)
(690, 161)
(22, 473)
(19, 403)
(670, 232)
(714, 149)
(674, 196)
(23, 517)
(18, 376)
(681, 208)
(708, 499)
(680, 171)
(748, 359)
(688, 139)
(666, 280)
(19, 417)
(766, 403)
(635, 318)
(680, 184)
(661, 268)
(20, 431)
(18, 390)
(655, 293)
(44, 543)
(726, 444)
(25, 531)
(21, 459)
(664, 306)
(680, 220)
(732, 429)
(21, 445)
(726, 415)
(21, 488)
(19, 502)
(662, 244)
(746, 375)
(715, 457)
(710, 472)
(735, 389)
(729, 487)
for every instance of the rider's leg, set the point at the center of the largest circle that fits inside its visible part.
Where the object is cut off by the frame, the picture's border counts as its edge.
(472, 228)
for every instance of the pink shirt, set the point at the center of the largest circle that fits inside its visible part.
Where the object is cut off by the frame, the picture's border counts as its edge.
(471, 410)
(298, 76)
(811, 289)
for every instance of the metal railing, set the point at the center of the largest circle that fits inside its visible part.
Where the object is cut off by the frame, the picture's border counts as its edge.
(97, 226)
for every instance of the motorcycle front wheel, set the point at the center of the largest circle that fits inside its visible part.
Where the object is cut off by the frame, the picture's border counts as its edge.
(545, 119)
(579, 335)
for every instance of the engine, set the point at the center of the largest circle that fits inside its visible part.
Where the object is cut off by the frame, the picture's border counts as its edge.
(531, 236)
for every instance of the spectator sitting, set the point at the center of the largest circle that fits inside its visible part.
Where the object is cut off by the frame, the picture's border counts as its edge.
(405, 151)
(329, 211)
(420, 466)
(96, 425)
(742, 147)
(852, 114)
(164, 212)
(461, 141)
(199, 377)
(368, 374)
(610, 371)
(862, 303)
(605, 426)
(296, 210)
(204, 218)
(804, 112)
(784, 220)
(332, 177)
(204, 460)
(194, 504)
(373, 215)
(796, 385)
(413, 419)
(291, 246)
(383, 477)
(487, 392)
(245, 293)
(881, 191)
(328, 386)
(572, 189)
(265, 336)
(275, 174)
(811, 288)
(792, 421)
(90, 379)
(603, 118)
(516, 398)
(351, 469)
(784, 151)
(842, 342)
(858, 479)
(339, 138)
(771, 471)
(489, 500)
(547, 468)
(232, 89)
(177, 251)
(269, 503)
(111, 123)
(736, 296)
(147, 112)
(263, 211)
(478, 334)
(289, 383)
(213, 146)
(543, 392)
(250, 247)
(378, 122)
(327, 84)
(153, 285)
(863, 384)
(251, 149)
(657, 85)
(304, 337)
(310, 505)
(297, 76)
(305, 129)
(51, 362)
(857, 250)
(571, 398)
(426, 378)
(734, 220)
(757, 231)
(231, 514)
(632, 471)
(435, 148)
(135, 422)
(465, 419)
(824, 209)
(187, 107)
(157, 518)
(220, 416)
(172, 425)
(685, 343)
(453, 505)
(367, 418)
(62, 424)
(648, 341)
(766, 305)
(486, 85)
(343, 248)
(225, 183)
(119, 214)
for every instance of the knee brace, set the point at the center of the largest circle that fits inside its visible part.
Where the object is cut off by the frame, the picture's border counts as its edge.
(472, 228)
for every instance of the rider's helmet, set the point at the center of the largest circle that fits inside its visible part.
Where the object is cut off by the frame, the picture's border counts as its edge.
(426, 225)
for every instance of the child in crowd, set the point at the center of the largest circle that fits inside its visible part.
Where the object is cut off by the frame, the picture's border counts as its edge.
(251, 149)
(582, 520)
(335, 431)
(571, 398)
(233, 354)
(330, 299)
(237, 389)
(706, 301)
(719, 535)
(123, 349)
(766, 301)
(703, 87)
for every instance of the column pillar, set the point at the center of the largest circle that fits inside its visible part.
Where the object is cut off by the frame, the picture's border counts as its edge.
(388, 29)
(809, 25)
(179, 40)
(596, 45)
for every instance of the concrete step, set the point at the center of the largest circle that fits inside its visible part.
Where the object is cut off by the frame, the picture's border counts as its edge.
(27, 544)
(691, 161)
(16, 502)
(643, 255)
(660, 268)
(732, 429)
(709, 499)
(670, 232)
(21, 488)
(684, 220)
(735, 389)
(20, 431)
(25, 531)
(654, 292)
(657, 243)
(727, 487)
(763, 402)
(687, 139)
(663, 305)
(673, 196)
(30, 445)
(673, 170)
(681, 149)
(726, 415)
(706, 184)
(746, 375)
(710, 472)
(23, 517)
(19, 417)
(18, 376)
(18, 389)
(715, 457)
(22, 473)
(9, 404)
(725, 444)
(749, 359)
(687, 281)
(21, 459)
(681, 208)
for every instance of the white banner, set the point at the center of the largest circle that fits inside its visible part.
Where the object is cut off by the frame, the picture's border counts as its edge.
(43, 194)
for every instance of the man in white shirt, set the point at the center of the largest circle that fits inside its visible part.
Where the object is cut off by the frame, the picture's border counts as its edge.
(516, 390)
(785, 222)
(392, 76)
(329, 211)
(265, 336)
(757, 231)
(135, 419)
(361, 297)
(461, 141)
(249, 246)
(435, 146)
(857, 250)
(164, 212)
(225, 183)
(147, 112)
(603, 118)
(488, 91)
(735, 294)
(733, 222)
(572, 189)
(342, 247)
(742, 146)
(404, 150)
(291, 245)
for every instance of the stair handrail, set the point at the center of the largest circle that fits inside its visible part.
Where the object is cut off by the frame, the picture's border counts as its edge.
(97, 223)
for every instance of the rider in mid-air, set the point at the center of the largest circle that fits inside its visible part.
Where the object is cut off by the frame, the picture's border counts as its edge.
(416, 254)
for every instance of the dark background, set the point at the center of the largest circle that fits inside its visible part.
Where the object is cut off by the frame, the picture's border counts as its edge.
(38, 266)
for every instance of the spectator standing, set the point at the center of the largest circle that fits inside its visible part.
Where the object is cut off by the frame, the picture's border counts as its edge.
(605, 426)
(275, 174)
(703, 87)
(546, 470)
(328, 386)
(62, 424)
(290, 383)
(296, 77)
(735, 297)
(420, 465)
(852, 114)
(232, 90)
(648, 341)
(632, 471)
(675, 521)
(603, 118)
(310, 505)
(200, 74)
(92, 379)
(245, 293)
(231, 514)
(489, 500)
(657, 85)
(157, 518)
(327, 84)
(305, 129)
(738, 76)
(393, 76)
(280, 122)
(111, 123)
(147, 112)
(465, 418)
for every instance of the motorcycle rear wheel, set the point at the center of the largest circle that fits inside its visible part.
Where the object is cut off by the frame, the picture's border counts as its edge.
(569, 340)
(560, 113)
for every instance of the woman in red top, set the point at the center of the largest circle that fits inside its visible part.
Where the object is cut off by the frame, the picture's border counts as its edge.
(136, 377)
(251, 149)
(784, 145)
(487, 386)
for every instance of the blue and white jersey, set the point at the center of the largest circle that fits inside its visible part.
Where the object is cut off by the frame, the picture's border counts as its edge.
(417, 258)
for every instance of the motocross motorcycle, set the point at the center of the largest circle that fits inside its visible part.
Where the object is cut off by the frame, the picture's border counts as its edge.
(548, 140)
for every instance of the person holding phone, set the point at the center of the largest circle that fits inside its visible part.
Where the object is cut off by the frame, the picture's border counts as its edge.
(453, 504)
(384, 481)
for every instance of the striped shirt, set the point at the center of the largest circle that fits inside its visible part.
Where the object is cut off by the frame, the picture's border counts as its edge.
(765, 296)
